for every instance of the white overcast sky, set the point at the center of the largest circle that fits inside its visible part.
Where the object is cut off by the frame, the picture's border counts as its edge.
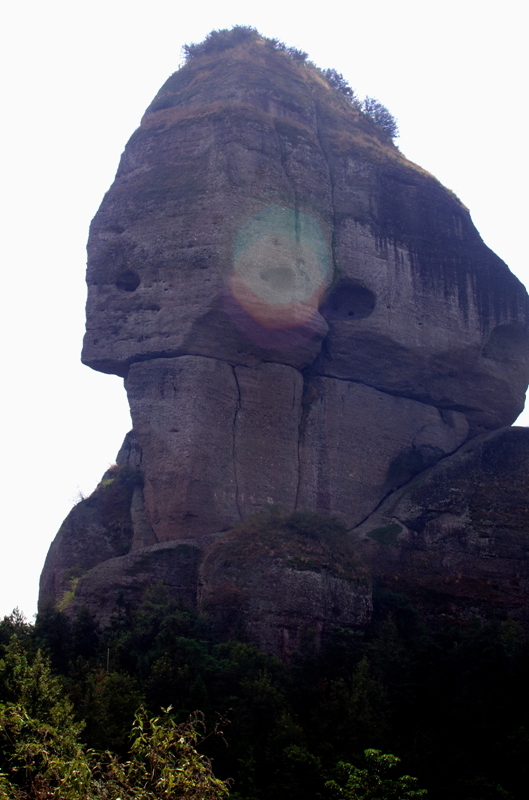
(77, 77)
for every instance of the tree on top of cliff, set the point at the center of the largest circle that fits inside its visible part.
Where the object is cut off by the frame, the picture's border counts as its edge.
(337, 81)
(380, 114)
(220, 40)
(224, 39)
(217, 41)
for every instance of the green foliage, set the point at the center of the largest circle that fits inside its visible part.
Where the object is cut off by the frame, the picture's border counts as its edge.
(66, 639)
(68, 595)
(41, 755)
(107, 702)
(164, 762)
(220, 40)
(39, 739)
(385, 120)
(372, 782)
(15, 624)
(452, 703)
(385, 534)
(337, 81)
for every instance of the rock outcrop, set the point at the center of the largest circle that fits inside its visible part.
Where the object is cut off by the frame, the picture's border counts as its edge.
(284, 580)
(456, 539)
(303, 319)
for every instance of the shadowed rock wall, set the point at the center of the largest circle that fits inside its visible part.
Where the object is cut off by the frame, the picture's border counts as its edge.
(456, 539)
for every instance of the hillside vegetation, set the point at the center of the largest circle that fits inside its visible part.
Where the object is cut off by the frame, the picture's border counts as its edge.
(453, 705)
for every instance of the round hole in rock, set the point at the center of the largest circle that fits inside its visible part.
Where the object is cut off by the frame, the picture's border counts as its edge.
(128, 281)
(349, 300)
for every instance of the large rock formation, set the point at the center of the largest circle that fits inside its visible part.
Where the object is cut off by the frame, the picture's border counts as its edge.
(303, 317)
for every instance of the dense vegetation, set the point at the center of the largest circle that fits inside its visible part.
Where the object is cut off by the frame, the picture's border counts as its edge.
(220, 40)
(453, 705)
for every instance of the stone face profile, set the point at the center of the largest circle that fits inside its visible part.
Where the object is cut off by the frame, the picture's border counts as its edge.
(303, 318)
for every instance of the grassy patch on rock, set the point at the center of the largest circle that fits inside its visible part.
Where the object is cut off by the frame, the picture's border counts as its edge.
(302, 539)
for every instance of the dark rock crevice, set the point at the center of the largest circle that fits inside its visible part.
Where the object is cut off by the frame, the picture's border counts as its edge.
(419, 398)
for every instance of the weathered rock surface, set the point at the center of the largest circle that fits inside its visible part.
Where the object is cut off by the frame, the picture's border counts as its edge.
(422, 308)
(278, 580)
(120, 584)
(219, 442)
(358, 444)
(283, 608)
(100, 527)
(222, 442)
(303, 319)
(250, 190)
(259, 223)
(284, 581)
(183, 411)
(456, 539)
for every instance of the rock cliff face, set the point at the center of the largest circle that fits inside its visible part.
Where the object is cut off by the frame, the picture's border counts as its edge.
(456, 539)
(303, 319)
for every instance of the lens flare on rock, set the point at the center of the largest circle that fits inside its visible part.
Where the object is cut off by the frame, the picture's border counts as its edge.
(281, 269)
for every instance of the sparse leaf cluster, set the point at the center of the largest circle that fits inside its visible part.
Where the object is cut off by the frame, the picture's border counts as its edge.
(374, 109)
(219, 40)
(337, 81)
(374, 782)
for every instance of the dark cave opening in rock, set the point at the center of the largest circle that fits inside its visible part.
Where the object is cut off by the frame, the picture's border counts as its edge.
(350, 300)
(128, 281)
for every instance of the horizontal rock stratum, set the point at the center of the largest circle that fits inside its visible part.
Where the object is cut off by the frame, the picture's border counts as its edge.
(303, 317)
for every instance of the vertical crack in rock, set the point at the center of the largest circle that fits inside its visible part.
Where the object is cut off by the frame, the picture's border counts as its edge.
(235, 415)
(301, 421)
(307, 398)
(283, 159)
(307, 389)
